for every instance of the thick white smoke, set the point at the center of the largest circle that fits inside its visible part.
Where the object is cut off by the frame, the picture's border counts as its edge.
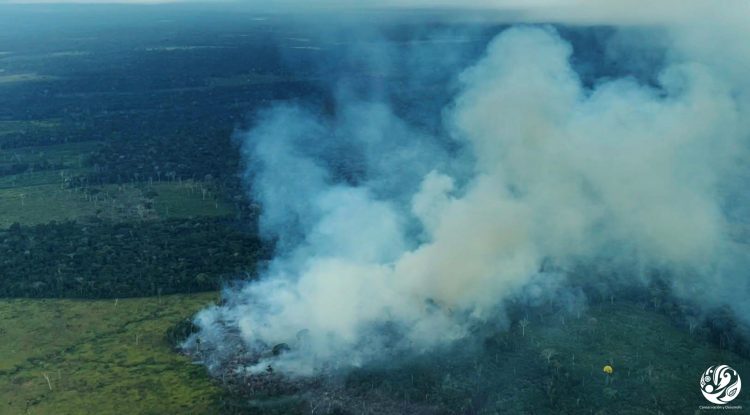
(422, 245)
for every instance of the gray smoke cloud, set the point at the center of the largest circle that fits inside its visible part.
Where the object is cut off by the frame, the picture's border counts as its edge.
(428, 240)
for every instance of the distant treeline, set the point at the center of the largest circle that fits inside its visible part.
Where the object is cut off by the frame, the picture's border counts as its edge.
(110, 260)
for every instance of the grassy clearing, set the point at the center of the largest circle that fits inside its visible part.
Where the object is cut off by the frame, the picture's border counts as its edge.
(187, 199)
(69, 155)
(42, 204)
(100, 358)
(11, 127)
(31, 205)
(34, 205)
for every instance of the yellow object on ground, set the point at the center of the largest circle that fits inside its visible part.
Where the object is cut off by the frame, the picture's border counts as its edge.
(608, 369)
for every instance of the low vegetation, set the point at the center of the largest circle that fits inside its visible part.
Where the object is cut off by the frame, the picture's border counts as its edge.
(69, 357)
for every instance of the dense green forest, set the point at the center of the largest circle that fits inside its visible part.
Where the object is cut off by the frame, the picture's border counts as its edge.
(125, 259)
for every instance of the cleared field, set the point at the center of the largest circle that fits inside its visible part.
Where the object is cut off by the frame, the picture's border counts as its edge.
(41, 195)
(31, 205)
(9, 127)
(69, 156)
(99, 357)
(41, 204)
(187, 199)
(36, 197)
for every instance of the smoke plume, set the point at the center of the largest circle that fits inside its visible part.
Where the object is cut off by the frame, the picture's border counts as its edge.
(391, 239)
